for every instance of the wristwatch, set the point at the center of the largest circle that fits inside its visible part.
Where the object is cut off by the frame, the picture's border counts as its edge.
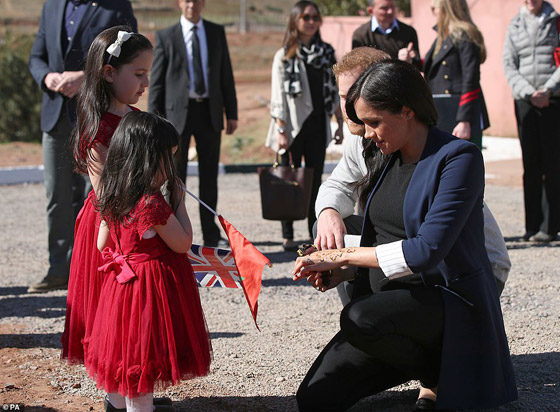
(281, 130)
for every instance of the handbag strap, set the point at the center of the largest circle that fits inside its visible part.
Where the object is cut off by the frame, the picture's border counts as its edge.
(277, 162)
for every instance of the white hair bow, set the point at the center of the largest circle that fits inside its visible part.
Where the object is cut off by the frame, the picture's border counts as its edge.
(115, 48)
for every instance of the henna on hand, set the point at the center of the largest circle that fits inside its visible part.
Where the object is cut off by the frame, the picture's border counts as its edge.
(333, 255)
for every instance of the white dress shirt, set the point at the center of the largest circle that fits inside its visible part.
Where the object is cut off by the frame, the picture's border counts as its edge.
(187, 37)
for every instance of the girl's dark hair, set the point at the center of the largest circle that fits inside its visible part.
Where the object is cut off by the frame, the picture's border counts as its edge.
(140, 148)
(291, 38)
(94, 96)
(388, 85)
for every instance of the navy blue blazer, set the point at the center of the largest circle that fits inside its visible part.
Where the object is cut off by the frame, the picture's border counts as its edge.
(455, 70)
(445, 241)
(47, 54)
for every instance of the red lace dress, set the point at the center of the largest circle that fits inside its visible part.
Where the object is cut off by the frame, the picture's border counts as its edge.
(149, 330)
(84, 282)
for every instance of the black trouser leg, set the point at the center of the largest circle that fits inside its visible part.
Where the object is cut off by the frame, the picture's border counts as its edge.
(208, 143)
(309, 143)
(386, 339)
(539, 135)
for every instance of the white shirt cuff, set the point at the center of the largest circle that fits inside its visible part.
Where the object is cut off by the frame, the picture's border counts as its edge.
(391, 260)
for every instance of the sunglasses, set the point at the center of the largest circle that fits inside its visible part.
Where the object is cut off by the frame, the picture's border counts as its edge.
(308, 17)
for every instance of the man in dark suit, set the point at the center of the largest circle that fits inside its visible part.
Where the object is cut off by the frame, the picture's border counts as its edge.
(192, 85)
(66, 31)
(385, 32)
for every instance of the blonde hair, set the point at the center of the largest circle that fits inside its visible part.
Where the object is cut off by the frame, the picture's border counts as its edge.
(455, 20)
(359, 58)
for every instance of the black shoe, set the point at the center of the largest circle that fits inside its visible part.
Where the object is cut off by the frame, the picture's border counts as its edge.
(163, 401)
(221, 243)
(111, 408)
(543, 237)
(49, 283)
(164, 408)
(159, 403)
(528, 235)
(289, 245)
(424, 405)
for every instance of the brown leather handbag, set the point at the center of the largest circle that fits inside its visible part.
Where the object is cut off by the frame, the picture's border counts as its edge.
(285, 191)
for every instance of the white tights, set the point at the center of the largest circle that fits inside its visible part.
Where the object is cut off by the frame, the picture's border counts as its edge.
(140, 404)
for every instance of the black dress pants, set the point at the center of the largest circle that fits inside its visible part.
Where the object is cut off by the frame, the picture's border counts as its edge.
(311, 144)
(386, 339)
(539, 134)
(208, 143)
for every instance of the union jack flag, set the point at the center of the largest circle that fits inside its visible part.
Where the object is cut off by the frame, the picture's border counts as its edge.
(214, 267)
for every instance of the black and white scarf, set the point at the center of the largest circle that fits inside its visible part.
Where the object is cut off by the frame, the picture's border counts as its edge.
(321, 56)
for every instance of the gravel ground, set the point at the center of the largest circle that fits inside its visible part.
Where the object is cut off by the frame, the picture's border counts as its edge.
(255, 371)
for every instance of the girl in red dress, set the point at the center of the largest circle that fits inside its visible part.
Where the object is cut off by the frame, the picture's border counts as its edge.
(115, 76)
(149, 331)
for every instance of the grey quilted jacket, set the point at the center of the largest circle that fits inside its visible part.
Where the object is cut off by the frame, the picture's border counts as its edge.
(529, 62)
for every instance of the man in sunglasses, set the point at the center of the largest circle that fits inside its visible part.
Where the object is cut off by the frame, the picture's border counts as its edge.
(385, 32)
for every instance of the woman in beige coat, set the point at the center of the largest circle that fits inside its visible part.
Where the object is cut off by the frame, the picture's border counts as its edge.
(304, 96)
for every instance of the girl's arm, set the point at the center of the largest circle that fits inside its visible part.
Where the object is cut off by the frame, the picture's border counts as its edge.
(95, 164)
(102, 236)
(177, 232)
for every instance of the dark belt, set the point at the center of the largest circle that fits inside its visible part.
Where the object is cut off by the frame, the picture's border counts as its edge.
(198, 100)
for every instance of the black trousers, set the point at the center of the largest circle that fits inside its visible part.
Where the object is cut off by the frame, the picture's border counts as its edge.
(386, 339)
(208, 143)
(309, 143)
(539, 134)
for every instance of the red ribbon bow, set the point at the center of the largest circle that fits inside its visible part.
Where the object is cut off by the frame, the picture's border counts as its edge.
(117, 262)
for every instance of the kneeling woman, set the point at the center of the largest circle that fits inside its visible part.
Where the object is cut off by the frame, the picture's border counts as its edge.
(436, 316)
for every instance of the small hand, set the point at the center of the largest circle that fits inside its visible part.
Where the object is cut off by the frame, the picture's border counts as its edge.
(462, 130)
(231, 126)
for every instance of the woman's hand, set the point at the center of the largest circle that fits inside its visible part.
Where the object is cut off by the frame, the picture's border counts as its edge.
(462, 130)
(323, 281)
(283, 142)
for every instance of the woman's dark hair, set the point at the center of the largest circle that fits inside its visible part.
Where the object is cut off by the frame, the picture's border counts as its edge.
(388, 85)
(94, 96)
(142, 146)
(291, 37)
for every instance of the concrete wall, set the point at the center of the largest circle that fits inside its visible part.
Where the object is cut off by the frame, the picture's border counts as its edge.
(492, 18)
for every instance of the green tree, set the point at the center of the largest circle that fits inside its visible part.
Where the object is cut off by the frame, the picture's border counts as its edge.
(20, 98)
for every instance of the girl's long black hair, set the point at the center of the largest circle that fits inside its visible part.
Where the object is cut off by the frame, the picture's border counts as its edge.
(388, 85)
(141, 149)
(94, 96)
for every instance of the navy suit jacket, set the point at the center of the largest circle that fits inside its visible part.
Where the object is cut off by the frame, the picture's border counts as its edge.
(445, 241)
(170, 80)
(455, 70)
(47, 54)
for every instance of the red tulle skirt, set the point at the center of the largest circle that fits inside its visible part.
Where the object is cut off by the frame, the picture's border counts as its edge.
(84, 283)
(150, 332)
